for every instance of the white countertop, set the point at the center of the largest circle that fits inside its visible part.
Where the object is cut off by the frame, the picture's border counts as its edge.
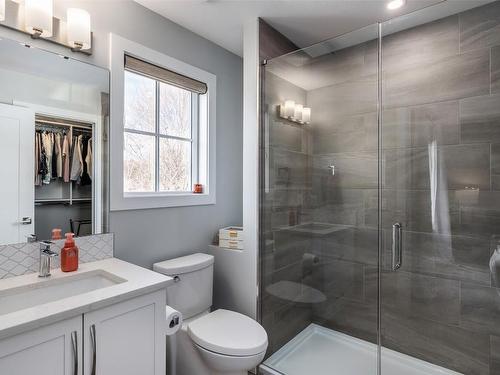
(138, 281)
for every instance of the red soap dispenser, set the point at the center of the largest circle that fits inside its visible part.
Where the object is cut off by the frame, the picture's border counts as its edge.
(69, 254)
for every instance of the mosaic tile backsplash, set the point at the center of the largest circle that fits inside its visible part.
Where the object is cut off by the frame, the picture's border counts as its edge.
(23, 258)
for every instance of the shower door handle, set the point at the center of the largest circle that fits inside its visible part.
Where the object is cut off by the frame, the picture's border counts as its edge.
(397, 246)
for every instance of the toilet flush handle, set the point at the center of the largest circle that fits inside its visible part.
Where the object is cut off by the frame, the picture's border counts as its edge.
(177, 279)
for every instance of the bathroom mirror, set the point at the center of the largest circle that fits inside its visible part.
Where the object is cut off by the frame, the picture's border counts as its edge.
(53, 144)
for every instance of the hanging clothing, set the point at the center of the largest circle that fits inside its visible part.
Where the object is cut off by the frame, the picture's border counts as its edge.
(88, 159)
(58, 148)
(66, 159)
(38, 152)
(85, 177)
(53, 173)
(48, 148)
(77, 161)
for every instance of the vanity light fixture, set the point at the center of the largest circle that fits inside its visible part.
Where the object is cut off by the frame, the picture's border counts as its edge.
(298, 112)
(2, 10)
(306, 115)
(295, 112)
(79, 34)
(38, 17)
(289, 109)
(395, 4)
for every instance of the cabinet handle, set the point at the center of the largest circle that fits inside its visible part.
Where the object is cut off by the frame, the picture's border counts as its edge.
(94, 349)
(74, 345)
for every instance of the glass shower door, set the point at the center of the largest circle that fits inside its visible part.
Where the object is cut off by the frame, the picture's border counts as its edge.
(440, 195)
(319, 208)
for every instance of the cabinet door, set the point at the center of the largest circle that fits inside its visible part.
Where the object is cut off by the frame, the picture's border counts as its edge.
(127, 338)
(51, 350)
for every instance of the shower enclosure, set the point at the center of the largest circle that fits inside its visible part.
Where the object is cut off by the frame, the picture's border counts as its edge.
(380, 214)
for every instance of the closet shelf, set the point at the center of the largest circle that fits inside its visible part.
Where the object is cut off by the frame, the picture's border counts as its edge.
(62, 200)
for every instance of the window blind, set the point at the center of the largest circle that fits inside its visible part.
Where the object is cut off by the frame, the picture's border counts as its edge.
(164, 75)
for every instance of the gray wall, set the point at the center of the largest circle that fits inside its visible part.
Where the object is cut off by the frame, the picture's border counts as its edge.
(147, 236)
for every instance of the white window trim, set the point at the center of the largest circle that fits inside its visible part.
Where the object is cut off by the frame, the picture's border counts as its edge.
(123, 201)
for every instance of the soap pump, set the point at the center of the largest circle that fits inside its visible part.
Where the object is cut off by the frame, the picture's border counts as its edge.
(69, 254)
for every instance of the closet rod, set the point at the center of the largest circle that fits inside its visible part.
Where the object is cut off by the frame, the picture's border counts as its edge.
(88, 127)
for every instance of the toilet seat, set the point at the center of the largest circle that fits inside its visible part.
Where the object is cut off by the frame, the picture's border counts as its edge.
(228, 333)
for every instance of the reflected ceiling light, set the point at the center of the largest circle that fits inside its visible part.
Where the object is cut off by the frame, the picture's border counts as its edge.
(2, 10)
(38, 17)
(79, 35)
(395, 4)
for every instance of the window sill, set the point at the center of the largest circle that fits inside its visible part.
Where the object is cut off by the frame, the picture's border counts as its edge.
(139, 201)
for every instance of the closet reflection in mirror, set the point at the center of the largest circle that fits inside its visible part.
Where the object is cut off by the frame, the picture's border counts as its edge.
(53, 144)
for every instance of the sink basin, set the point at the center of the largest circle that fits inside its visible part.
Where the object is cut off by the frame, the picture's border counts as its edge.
(41, 292)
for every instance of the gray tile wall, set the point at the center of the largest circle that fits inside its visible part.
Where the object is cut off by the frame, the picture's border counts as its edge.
(287, 196)
(441, 108)
(440, 86)
(442, 306)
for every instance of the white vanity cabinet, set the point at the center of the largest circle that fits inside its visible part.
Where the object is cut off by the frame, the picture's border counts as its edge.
(54, 349)
(126, 338)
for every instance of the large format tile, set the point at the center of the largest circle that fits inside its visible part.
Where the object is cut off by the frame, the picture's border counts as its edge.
(358, 319)
(449, 257)
(480, 308)
(465, 351)
(339, 205)
(459, 166)
(460, 76)
(288, 136)
(352, 170)
(287, 322)
(289, 169)
(480, 119)
(421, 44)
(495, 70)
(331, 103)
(338, 278)
(480, 27)
(495, 355)
(421, 125)
(413, 295)
(349, 134)
(479, 213)
(352, 244)
(495, 158)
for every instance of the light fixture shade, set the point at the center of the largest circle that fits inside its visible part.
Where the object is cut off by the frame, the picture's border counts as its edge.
(289, 108)
(395, 4)
(79, 35)
(2, 10)
(306, 115)
(298, 112)
(38, 15)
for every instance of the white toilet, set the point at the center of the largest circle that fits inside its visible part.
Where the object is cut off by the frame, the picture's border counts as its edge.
(222, 342)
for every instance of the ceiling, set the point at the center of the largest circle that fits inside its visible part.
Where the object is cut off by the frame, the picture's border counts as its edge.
(303, 21)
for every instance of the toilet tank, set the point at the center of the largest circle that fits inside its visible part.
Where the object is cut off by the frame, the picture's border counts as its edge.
(191, 292)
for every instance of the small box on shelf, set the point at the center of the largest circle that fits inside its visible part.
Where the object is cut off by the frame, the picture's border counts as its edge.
(231, 237)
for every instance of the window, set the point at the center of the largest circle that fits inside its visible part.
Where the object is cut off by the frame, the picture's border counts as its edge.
(162, 130)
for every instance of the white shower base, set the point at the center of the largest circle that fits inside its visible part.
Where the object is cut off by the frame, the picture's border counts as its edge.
(322, 351)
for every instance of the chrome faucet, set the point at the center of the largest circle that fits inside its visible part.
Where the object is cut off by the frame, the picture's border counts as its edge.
(46, 255)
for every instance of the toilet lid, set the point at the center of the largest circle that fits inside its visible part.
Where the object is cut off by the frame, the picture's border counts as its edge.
(228, 332)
